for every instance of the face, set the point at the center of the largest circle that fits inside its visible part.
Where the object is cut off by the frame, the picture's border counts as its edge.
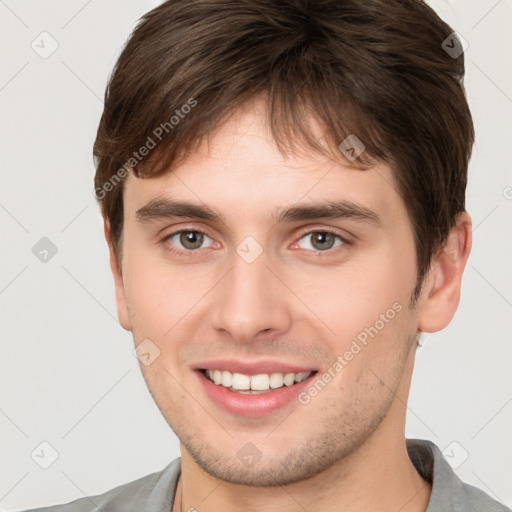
(276, 301)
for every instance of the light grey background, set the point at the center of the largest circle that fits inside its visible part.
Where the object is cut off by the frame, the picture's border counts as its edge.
(68, 374)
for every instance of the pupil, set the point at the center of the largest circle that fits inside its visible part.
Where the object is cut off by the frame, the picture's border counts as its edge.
(325, 240)
(191, 239)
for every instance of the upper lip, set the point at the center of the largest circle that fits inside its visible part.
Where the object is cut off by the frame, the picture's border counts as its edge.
(252, 367)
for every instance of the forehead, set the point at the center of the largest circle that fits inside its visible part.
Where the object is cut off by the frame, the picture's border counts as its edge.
(238, 169)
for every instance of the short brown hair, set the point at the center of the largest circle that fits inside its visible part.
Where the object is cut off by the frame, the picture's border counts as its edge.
(377, 69)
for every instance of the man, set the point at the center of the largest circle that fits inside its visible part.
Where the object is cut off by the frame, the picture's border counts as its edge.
(283, 187)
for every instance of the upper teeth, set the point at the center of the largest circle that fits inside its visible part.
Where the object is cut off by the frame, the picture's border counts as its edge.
(261, 382)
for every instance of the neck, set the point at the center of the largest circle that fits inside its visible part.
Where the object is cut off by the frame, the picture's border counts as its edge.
(364, 481)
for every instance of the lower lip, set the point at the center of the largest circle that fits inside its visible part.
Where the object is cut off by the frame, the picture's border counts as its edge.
(252, 406)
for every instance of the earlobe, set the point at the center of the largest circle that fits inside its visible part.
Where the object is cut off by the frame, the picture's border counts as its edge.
(115, 267)
(441, 291)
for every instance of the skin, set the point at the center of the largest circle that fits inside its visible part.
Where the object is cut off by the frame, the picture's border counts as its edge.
(345, 449)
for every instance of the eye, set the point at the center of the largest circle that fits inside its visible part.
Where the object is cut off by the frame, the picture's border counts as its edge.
(320, 241)
(188, 240)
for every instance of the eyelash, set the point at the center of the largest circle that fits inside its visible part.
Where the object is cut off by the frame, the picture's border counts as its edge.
(193, 252)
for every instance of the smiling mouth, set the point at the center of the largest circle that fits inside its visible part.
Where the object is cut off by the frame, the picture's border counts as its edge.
(254, 384)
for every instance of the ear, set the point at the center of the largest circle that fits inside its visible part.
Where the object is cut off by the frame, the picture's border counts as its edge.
(441, 290)
(115, 266)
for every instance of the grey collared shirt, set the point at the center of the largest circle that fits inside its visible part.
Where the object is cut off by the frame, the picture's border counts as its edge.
(155, 492)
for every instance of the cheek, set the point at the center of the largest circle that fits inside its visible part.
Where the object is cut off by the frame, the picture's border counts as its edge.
(160, 295)
(357, 300)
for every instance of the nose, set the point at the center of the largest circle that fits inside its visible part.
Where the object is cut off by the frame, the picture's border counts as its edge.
(251, 300)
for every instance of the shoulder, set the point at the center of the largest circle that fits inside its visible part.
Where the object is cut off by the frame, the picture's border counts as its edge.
(151, 492)
(478, 500)
(449, 492)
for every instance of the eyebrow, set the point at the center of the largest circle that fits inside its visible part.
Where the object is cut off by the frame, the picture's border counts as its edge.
(163, 208)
